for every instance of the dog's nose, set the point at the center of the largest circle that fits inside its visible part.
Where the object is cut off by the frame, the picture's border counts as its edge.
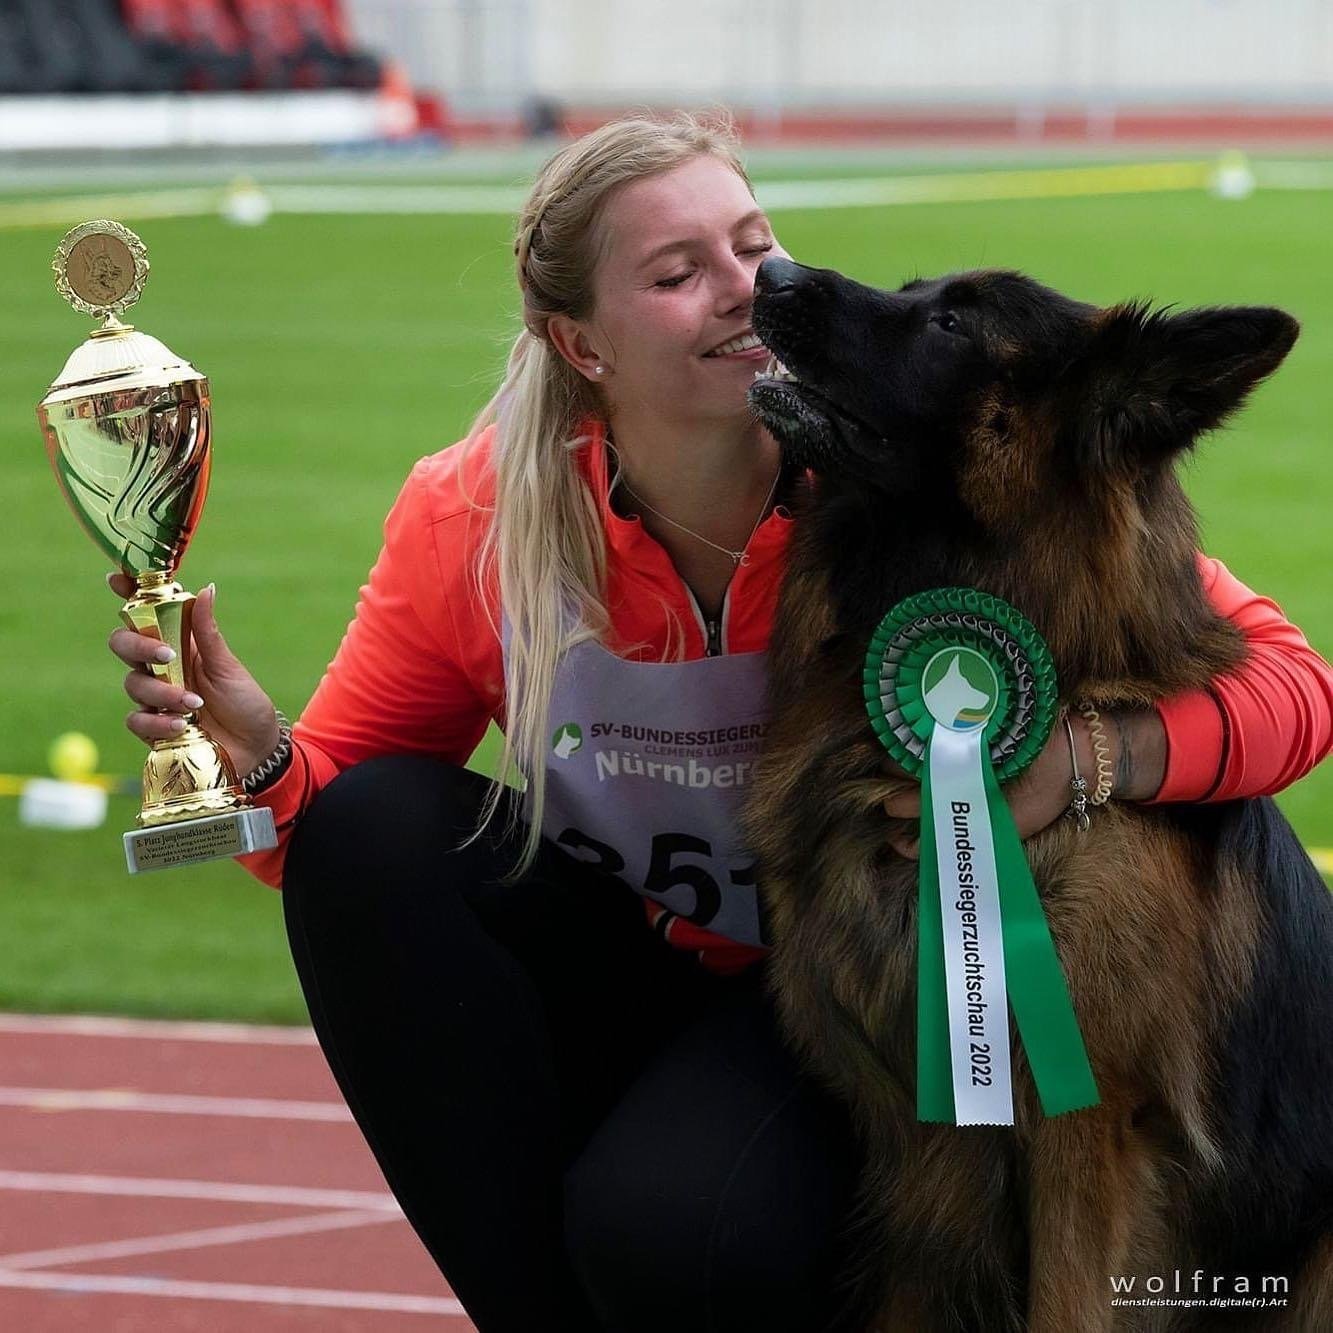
(777, 275)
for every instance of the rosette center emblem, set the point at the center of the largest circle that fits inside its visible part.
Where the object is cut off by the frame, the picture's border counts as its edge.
(960, 689)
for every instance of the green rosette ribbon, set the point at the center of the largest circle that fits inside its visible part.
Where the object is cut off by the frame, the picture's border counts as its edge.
(961, 691)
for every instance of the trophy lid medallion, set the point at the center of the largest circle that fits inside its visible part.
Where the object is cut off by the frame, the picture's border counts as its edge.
(101, 267)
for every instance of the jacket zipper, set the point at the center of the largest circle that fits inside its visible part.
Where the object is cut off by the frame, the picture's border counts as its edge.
(712, 629)
(714, 647)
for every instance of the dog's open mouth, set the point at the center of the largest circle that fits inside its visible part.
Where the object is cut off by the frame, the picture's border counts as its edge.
(775, 370)
(808, 424)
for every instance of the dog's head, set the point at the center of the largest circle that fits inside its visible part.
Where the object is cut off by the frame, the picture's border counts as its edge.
(986, 390)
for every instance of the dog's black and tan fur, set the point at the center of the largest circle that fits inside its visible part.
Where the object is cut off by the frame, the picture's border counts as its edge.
(982, 430)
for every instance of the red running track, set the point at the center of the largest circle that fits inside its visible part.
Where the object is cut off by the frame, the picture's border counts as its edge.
(202, 1178)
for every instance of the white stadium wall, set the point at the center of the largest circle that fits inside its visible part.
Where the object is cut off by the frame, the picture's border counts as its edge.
(1092, 70)
(488, 54)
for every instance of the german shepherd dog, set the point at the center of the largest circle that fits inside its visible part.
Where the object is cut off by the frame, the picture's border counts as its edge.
(981, 430)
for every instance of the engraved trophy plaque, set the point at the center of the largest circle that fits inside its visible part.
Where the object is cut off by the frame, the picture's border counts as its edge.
(127, 430)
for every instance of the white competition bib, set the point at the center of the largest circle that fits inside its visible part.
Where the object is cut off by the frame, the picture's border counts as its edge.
(646, 768)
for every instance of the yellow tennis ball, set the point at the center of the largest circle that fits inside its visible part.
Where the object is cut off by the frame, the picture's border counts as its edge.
(73, 756)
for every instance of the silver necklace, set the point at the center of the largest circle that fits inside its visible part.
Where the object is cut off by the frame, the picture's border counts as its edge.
(737, 557)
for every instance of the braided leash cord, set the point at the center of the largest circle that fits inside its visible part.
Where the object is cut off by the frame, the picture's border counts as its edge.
(1099, 749)
(266, 773)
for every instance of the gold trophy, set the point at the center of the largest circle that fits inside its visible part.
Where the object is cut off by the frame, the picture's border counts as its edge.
(126, 426)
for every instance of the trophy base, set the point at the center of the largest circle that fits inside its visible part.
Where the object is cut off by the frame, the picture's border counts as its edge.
(189, 840)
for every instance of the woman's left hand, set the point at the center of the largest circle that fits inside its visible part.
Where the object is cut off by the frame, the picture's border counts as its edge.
(1042, 793)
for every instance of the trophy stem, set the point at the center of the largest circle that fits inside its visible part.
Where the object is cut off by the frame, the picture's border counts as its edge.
(189, 775)
(161, 609)
(111, 328)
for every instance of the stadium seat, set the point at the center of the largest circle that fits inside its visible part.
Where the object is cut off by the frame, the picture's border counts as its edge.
(83, 46)
(200, 35)
(163, 45)
(50, 41)
(284, 56)
(19, 71)
(323, 23)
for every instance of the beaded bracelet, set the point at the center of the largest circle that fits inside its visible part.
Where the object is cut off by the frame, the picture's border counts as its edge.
(267, 773)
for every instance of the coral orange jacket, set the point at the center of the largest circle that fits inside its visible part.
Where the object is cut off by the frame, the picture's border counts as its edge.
(420, 668)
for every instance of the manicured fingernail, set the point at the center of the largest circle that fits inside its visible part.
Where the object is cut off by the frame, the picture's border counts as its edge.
(111, 574)
(176, 724)
(164, 654)
(192, 701)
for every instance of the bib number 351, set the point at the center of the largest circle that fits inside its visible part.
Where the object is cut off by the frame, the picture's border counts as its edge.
(665, 870)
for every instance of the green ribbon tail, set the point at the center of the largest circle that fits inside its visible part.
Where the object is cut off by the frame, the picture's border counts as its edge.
(934, 1072)
(1038, 992)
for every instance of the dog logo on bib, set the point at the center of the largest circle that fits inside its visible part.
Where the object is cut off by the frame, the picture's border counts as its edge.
(567, 739)
(960, 689)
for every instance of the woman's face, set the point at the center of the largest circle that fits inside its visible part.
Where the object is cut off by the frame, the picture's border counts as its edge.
(674, 283)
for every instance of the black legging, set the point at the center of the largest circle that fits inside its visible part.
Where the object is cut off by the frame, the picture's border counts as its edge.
(586, 1130)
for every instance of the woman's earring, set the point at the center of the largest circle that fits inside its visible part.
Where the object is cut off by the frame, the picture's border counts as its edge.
(600, 369)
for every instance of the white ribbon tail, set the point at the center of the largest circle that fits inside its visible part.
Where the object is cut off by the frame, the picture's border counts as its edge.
(973, 946)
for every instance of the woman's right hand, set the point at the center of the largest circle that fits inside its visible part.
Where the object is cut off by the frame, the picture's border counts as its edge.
(229, 703)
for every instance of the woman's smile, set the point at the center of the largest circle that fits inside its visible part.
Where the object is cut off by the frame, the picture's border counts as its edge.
(744, 341)
(756, 353)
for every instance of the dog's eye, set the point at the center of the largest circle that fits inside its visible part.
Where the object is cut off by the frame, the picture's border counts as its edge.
(947, 321)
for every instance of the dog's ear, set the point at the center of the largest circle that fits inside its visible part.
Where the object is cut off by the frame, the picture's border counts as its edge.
(1154, 381)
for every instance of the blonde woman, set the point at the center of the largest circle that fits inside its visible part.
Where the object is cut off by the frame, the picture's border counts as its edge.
(553, 1034)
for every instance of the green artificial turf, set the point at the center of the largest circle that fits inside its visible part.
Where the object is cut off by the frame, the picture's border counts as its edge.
(340, 349)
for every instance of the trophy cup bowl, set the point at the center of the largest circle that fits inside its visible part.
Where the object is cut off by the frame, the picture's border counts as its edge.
(127, 431)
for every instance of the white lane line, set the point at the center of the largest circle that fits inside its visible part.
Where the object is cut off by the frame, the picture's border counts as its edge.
(125, 1099)
(59, 1182)
(393, 1301)
(505, 200)
(843, 192)
(195, 1240)
(501, 200)
(94, 1025)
